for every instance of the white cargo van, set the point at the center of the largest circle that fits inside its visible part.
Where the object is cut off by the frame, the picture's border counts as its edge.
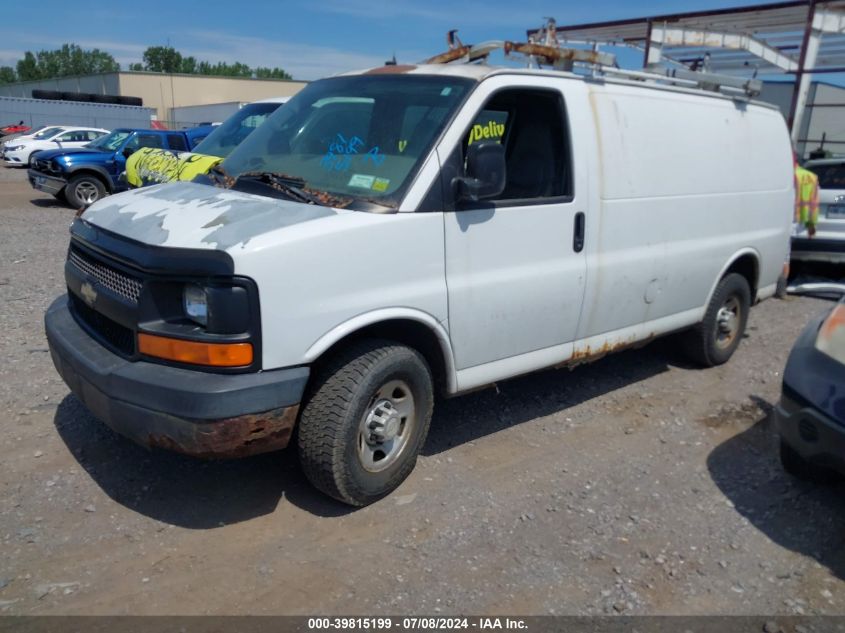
(412, 230)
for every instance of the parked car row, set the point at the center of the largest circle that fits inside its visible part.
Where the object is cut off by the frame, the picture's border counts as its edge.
(81, 165)
(88, 171)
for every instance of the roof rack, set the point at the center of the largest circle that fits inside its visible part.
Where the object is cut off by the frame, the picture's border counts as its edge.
(543, 49)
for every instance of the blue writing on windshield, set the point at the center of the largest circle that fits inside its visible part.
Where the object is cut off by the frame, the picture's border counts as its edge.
(375, 156)
(340, 152)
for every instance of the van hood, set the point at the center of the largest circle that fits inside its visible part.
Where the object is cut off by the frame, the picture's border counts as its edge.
(191, 215)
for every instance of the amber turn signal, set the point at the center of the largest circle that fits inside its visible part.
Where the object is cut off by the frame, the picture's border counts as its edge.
(196, 352)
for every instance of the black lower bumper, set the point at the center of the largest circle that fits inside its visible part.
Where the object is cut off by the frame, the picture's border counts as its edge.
(47, 184)
(193, 412)
(813, 435)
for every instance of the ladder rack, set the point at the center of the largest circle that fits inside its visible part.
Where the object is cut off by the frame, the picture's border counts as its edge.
(598, 63)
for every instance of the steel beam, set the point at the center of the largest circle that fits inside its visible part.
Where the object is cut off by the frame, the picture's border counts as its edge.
(677, 36)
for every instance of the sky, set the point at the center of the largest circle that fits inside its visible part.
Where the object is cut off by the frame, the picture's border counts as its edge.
(309, 39)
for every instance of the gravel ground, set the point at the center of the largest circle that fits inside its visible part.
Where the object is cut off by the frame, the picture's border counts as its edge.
(636, 485)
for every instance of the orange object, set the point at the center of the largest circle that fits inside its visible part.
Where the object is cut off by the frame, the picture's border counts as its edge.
(196, 352)
(834, 321)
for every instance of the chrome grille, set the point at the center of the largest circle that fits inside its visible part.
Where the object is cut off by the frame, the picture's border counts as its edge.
(123, 285)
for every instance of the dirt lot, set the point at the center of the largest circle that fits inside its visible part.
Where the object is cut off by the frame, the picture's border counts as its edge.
(638, 484)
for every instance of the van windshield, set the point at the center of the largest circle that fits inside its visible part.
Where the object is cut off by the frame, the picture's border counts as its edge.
(355, 138)
(228, 135)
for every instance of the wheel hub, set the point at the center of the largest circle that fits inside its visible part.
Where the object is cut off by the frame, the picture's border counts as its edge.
(727, 320)
(383, 422)
(387, 426)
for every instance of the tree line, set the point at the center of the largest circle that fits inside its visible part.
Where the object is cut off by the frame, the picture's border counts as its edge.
(71, 60)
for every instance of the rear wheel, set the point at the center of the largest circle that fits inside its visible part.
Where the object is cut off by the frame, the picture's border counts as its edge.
(714, 340)
(84, 190)
(365, 421)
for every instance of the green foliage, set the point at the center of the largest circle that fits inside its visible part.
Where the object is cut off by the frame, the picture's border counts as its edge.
(222, 69)
(271, 73)
(68, 60)
(7, 75)
(166, 59)
(162, 59)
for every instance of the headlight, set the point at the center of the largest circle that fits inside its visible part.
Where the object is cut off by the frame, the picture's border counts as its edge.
(14, 148)
(831, 337)
(195, 301)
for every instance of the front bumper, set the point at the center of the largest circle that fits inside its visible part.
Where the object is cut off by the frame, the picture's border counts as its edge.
(814, 249)
(816, 437)
(15, 157)
(810, 416)
(193, 412)
(45, 183)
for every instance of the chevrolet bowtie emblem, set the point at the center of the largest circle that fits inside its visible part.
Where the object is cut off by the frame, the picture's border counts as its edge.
(88, 293)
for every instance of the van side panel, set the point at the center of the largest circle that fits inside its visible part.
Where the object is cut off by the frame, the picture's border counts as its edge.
(686, 183)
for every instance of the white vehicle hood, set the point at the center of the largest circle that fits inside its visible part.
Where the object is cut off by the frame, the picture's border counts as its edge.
(189, 215)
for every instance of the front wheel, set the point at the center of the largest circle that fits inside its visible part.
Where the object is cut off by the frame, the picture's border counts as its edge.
(713, 341)
(82, 191)
(365, 421)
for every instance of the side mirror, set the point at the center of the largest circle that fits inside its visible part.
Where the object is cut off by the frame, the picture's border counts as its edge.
(485, 173)
(127, 152)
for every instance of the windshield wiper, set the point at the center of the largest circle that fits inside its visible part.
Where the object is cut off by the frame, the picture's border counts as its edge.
(291, 186)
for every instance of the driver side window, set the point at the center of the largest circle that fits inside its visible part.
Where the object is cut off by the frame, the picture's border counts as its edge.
(530, 124)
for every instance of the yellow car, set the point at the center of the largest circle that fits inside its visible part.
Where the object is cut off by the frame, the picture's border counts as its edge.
(150, 166)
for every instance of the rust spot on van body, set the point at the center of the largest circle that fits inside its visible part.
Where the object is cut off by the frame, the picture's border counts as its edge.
(589, 354)
(391, 69)
(238, 436)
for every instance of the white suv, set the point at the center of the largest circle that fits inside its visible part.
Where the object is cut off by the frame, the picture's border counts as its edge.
(828, 244)
(19, 151)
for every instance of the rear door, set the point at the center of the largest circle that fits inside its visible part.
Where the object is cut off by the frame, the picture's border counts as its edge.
(515, 268)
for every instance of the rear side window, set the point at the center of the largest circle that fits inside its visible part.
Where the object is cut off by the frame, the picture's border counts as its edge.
(149, 140)
(177, 142)
(93, 135)
(830, 176)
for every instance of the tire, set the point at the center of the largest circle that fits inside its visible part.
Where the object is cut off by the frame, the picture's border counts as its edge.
(84, 190)
(713, 341)
(795, 465)
(356, 402)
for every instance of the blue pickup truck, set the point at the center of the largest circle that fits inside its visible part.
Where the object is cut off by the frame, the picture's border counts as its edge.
(84, 175)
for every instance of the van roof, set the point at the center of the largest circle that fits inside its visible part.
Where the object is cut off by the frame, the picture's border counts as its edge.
(481, 71)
